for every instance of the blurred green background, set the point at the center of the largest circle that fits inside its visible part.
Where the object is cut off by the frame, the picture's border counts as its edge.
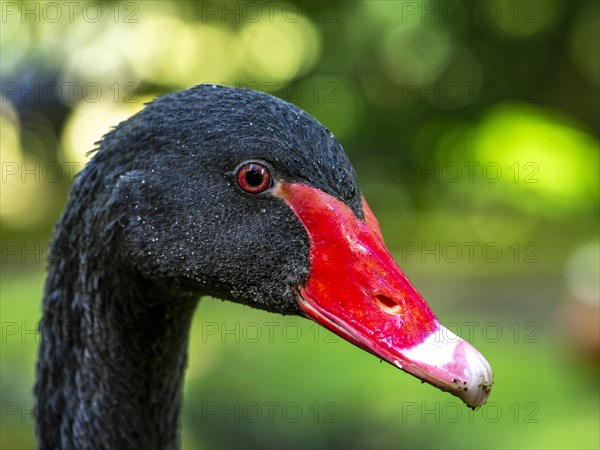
(474, 130)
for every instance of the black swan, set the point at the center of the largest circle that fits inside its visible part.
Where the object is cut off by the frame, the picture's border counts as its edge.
(224, 192)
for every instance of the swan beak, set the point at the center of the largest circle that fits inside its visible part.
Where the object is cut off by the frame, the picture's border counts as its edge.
(356, 290)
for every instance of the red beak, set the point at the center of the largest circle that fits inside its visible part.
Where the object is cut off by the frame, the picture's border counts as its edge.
(356, 290)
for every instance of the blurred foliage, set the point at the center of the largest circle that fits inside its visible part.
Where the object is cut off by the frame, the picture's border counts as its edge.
(473, 127)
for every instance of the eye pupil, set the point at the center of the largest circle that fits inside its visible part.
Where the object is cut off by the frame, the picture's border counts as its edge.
(254, 178)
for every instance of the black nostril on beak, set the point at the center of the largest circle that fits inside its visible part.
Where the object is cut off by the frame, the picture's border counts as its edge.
(388, 304)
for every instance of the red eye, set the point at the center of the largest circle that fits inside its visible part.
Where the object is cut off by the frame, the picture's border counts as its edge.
(254, 178)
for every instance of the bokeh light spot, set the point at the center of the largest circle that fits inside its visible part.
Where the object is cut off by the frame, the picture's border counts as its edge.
(279, 50)
(24, 196)
(332, 100)
(15, 42)
(88, 123)
(583, 273)
(415, 54)
(540, 153)
(522, 19)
